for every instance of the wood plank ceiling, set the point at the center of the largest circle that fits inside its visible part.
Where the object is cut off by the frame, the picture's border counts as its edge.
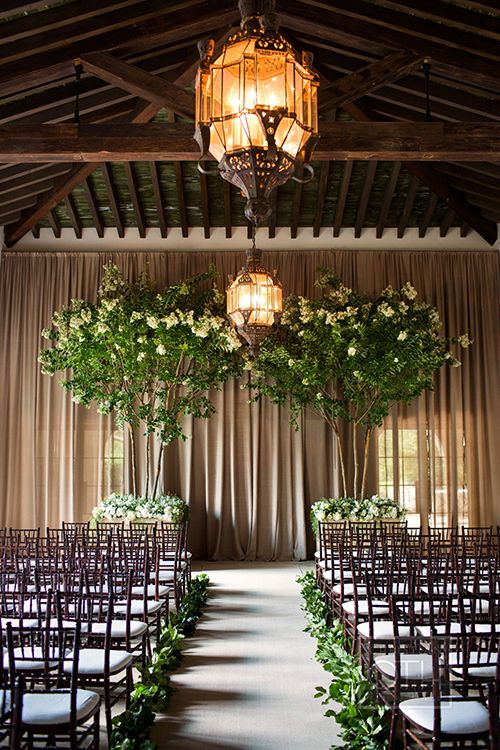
(369, 54)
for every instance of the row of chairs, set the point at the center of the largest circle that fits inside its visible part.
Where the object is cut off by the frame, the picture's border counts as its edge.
(79, 608)
(424, 621)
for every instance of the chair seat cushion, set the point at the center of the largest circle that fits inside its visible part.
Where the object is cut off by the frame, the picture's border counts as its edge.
(91, 661)
(457, 716)
(137, 608)
(119, 628)
(348, 589)
(379, 608)
(383, 630)
(162, 590)
(51, 709)
(479, 664)
(413, 666)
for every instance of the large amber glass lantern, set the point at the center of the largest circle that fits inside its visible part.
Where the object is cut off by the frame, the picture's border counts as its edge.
(254, 300)
(256, 107)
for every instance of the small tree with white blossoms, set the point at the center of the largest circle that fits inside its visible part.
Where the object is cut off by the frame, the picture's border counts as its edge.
(349, 357)
(149, 357)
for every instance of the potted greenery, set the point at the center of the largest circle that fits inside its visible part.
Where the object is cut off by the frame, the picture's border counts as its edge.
(149, 357)
(349, 358)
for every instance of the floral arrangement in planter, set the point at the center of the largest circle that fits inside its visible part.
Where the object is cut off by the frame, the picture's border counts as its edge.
(118, 507)
(352, 509)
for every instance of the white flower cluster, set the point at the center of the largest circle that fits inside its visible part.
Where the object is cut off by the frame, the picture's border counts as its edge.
(350, 509)
(118, 507)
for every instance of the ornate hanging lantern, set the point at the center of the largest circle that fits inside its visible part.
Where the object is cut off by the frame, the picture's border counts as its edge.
(256, 107)
(254, 300)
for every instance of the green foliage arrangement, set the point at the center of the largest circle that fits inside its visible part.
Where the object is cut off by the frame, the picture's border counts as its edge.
(349, 357)
(118, 507)
(361, 719)
(147, 356)
(351, 509)
(132, 728)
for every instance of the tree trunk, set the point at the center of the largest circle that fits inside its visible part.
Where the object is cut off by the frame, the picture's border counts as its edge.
(368, 435)
(355, 457)
(158, 470)
(134, 465)
(148, 450)
(342, 466)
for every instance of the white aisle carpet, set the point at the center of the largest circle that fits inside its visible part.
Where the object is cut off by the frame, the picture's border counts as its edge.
(247, 678)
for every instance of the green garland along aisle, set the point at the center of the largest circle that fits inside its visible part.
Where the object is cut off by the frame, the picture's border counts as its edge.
(361, 719)
(152, 693)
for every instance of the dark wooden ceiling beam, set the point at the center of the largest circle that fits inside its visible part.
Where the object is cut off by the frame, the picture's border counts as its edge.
(273, 216)
(446, 222)
(388, 196)
(134, 197)
(54, 224)
(72, 212)
(408, 207)
(228, 222)
(393, 141)
(364, 198)
(427, 215)
(368, 79)
(320, 199)
(449, 13)
(160, 210)
(113, 199)
(140, 83)
(340, 24)
(344, 190)
(205, 206)
(296, 201)
(22, 71)
(94, 210)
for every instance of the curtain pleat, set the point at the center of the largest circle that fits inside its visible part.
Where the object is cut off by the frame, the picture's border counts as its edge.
(249, 477)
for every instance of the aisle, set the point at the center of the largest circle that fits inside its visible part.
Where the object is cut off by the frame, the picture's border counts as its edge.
(248, 676)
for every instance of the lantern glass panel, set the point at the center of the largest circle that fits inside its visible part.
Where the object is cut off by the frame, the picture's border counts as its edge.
(249, 82)
(215, 89)
(233, 53)
(271, 90)
(290, 86)
(253, 129)
(217, 147)
(231, 90)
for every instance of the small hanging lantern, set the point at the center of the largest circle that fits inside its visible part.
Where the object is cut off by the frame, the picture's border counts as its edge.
(256, 107)
(254, 300)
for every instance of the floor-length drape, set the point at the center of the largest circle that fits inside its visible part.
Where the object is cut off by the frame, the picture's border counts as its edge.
(249, 477)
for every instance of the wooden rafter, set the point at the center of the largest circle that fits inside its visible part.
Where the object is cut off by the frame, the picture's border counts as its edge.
(427, 215)
(205, 209)
(226, 189)
(388, 196)
(73, 215)
(54, 223)
(409, 203)
(320, 201)
(20, 66)
(446, 222)
(342, 25)
(365, 197)
(297, 198)
(274, 213)
(134, 197)
(140, 83)
(113, 199)
(94, 210)
(344, 190)
(155, 180)
(368, 79)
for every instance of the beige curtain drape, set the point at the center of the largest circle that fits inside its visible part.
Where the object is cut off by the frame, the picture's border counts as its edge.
(249, 477)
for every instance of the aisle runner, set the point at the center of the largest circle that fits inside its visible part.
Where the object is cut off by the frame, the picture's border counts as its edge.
(248, 676)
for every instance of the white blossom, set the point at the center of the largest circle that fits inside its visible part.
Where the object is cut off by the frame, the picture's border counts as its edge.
(351, 351)
(161, 349)
(152, 321)
(409, 291)
(402, 336)
(141, 356)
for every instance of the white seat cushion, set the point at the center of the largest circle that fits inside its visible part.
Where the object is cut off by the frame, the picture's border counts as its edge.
(119, 628)
(486, 664)
(50, 709)
(425, 630)
(137, 608)
(378, 607)
(162, 590)
(91, 661)
(383, 630)
(348, 589)
(413, 666)
(457, 717)
(31, 664)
